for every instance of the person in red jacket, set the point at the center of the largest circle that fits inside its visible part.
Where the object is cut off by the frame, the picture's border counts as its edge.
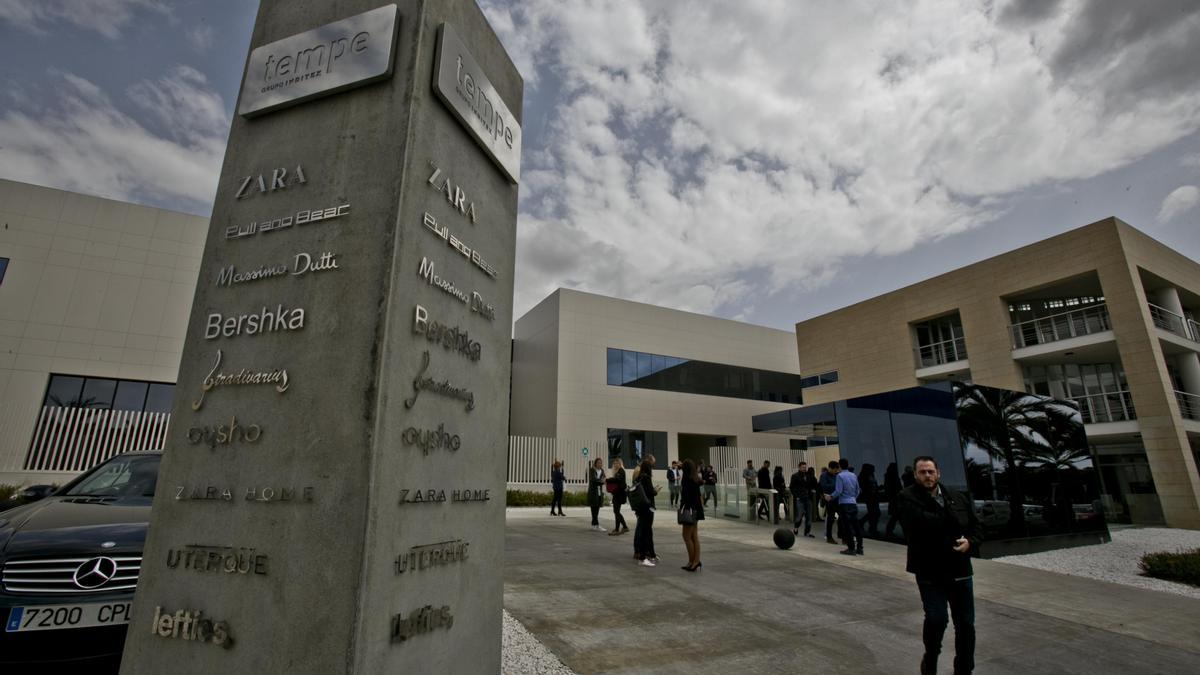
(943, 533)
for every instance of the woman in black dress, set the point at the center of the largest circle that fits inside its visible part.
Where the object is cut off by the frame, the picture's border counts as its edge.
(689, 498)
(643, 534)
(619, 496)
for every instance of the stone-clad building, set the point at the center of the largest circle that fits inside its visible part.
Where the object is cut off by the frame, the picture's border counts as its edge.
(1102, 315)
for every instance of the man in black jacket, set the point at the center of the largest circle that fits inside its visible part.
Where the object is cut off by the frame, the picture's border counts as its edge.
(942, 534)
(802, 494)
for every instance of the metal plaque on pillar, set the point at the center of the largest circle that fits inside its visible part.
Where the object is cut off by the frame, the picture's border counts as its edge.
(331, 497)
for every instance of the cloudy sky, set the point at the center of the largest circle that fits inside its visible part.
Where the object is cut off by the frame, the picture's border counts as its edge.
(764, 160)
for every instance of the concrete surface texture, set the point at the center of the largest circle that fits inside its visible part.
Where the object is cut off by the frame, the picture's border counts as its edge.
(390, 439)
(755, 608)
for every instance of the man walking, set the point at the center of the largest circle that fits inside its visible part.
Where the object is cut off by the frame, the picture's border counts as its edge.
(827, 483)
(943, 533)
(748, 475)
(709, 476)
(802, 499)
(845, 495)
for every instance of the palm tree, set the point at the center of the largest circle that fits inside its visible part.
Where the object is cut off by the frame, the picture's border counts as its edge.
(1001, 423)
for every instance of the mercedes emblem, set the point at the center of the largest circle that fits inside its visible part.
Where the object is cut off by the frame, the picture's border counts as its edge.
(95, 573)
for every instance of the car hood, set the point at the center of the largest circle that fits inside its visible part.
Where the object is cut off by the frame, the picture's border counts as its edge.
(57, 525)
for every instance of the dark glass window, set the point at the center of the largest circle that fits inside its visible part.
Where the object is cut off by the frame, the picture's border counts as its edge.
(102, 393)
(158, 400)
(3, 268)
(671, 373)
(130, 395)
(98, 393)
(632, 445)
(64, 391)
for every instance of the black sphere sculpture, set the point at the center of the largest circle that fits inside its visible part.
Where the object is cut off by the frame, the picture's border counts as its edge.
(784, 538)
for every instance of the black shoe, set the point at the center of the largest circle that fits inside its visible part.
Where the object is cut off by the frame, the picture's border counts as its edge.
(848, 551)
(829, 540)
(809, 535)
(795, 530)
(858, 551)
(928, 666)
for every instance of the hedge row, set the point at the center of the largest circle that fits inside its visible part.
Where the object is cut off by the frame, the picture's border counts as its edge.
(530, 498)
(1181, 566)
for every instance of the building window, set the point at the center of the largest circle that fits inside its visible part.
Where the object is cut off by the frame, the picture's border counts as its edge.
(632, 446)
(3, 268)
(627, 368)
(101, 393)
(940, 341)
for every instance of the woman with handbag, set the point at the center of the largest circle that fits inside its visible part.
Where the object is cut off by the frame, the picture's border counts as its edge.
(691, 512)
(641, 499)
(619, 488)
(595, 495)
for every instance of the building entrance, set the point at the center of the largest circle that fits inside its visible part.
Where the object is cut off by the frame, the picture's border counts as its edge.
(695, 446)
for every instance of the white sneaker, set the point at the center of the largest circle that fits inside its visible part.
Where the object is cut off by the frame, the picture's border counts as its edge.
(647, 563)
(597, 528)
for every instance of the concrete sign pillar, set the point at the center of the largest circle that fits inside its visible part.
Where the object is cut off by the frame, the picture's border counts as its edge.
(332, 490)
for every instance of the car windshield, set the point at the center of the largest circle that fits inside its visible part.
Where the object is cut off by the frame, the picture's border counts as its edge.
(131, 475)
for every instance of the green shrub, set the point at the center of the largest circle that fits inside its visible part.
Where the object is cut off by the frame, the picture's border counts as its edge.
(1181, 566)
(531, 498)
(7, 491)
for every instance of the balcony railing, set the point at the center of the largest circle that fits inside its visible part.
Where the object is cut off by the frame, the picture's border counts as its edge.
(1173, 323)
(938, 353)
(1075, 323)
(1111, 407)
(1189, 405)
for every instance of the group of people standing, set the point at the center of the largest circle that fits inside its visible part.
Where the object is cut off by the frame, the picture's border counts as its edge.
(639, 491)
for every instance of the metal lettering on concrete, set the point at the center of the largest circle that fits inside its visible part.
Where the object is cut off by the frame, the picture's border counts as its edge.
(462, 85)
(323, 61)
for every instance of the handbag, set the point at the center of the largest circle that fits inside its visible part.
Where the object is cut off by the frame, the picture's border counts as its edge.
(610, 485)
(637, 496)
(687, 516)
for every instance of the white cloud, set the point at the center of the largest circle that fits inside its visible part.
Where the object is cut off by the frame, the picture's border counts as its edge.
(1181, 200)
(107, 17)
(85, 143)
(200, 37)
(693, 146)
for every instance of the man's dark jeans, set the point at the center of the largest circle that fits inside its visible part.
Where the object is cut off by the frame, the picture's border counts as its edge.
(802, 515)
(853, 534)
(936, 595)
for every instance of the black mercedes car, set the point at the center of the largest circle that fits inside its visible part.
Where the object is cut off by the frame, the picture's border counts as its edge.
(69, 564)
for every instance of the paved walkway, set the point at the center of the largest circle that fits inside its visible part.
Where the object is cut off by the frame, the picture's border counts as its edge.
(755, 608)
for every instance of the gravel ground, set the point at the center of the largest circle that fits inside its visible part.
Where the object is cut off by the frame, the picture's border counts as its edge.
(524, 655)
(1117, 561)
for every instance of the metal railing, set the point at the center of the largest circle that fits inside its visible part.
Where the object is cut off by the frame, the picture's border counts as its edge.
(1189, 405)
(1075, 323)
(530, 457)
(1111, 407)
(1174, 323)
(76, 439)
(938, 353)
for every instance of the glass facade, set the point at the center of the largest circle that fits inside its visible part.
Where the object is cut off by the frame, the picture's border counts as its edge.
(688, 376)
(632, 445)
(1099, 389)
(1022, 458)
(101, 393)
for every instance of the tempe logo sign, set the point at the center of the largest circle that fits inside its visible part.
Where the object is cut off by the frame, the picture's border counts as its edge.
(462, 86)
(335, 57)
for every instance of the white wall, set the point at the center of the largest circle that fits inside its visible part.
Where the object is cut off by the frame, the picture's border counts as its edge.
(587, 406)
(94, 287)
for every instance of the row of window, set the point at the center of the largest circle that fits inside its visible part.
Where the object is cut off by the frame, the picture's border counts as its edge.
(1058, 303)
(628, 368)
(102, 393)
(1071, 380)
